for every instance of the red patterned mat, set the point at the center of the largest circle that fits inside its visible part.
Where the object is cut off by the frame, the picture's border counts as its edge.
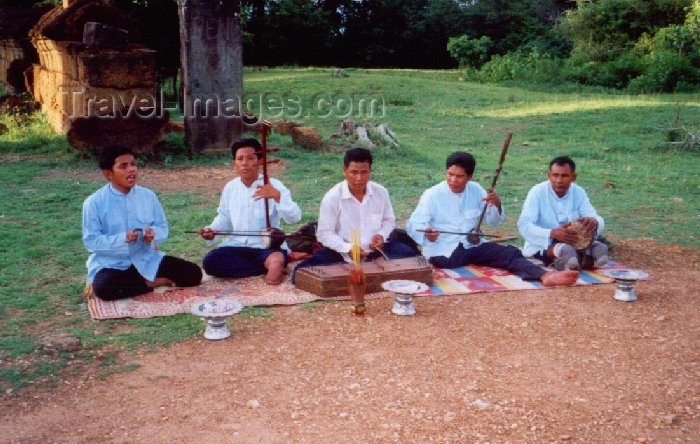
(254, 291)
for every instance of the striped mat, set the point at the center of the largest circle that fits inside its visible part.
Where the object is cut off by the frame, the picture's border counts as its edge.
(253, 291)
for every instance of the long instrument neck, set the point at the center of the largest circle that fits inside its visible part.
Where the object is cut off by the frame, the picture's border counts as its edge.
(266, 178)
(495, 176)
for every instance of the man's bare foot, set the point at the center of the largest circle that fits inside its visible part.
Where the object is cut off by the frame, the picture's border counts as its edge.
(160, 282)
(557, 278)
(275, 268)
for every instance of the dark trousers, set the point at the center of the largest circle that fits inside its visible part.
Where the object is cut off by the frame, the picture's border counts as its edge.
(238, 262)
(493, 255)
(326, 256)
(110, 284)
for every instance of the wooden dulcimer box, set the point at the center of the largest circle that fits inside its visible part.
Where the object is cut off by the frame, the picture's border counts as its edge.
(332, 280)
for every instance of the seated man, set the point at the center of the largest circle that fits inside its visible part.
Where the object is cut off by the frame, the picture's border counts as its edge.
(123, 224)
(242, 210)
(455, 206)
(548, 210)
(356, 203)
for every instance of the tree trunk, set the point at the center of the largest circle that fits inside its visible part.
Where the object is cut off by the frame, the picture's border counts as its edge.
(212, 72)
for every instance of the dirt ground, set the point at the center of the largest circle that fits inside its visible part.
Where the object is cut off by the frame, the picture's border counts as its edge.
(566, 364)
(569, 364)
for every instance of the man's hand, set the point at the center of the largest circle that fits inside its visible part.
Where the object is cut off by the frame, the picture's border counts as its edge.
(431, 234)
(131, 236)
(564, 234)
(377, 242)
(148, 235)
(589, 224)
(206, 233)
(267, 191)
(493, 199)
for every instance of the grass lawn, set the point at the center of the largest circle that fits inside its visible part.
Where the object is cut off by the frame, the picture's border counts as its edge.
(639, 186)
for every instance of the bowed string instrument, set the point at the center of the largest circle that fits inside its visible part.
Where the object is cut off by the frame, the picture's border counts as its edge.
(272, 237)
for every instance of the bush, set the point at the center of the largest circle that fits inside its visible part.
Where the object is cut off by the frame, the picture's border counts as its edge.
(666, 71)
(469, 52)
(522, 66)
(612, 74)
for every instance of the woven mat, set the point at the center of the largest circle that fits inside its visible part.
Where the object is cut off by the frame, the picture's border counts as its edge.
(254, 291)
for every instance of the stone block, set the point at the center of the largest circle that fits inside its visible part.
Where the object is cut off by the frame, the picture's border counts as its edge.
(135, 68)
(95, 133)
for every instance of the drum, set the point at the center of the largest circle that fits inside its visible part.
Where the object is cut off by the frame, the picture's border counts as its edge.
(584, 239)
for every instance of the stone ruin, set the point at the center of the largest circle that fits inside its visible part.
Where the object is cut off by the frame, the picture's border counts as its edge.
(94, 81)
(16, 51)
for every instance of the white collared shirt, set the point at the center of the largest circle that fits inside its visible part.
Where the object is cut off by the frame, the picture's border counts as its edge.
(544, 211)
(239, 212)
(340, 212)
(441, 208)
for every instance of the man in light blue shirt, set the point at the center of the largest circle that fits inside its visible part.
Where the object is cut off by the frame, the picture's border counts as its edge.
(549, 209)
(123, 224)
(242, 210)
(454, 206)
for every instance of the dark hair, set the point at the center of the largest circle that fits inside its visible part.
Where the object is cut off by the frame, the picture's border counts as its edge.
(109, 154)
(563, 160)
(247, 143)
(357, 155)
(463, 160)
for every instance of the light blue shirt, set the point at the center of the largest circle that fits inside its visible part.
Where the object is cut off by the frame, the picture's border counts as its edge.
(107, 215)
(442, 209)
(239, 212)
(544, 211)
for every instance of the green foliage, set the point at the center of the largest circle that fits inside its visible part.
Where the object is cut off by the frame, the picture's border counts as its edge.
(649, 46)
(601, 31)
(522, 66)
(616, 44)
(665, 71)
(470, 52)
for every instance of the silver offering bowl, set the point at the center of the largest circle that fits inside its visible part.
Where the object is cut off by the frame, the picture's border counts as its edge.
(215, 313)
(404, 290)
(625, 279)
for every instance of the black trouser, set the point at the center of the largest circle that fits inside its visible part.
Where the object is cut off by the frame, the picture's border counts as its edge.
(493, 255)
(238, 262)
(110, 284)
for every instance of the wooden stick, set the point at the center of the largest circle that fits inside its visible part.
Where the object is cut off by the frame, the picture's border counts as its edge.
(250, 233)
(495, 177)
(382, 252)
(266, 178)
(452, 232)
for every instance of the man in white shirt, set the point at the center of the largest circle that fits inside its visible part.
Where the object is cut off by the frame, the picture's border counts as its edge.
(356, 203)
(548, 210)
(454, 206)
(242, 210)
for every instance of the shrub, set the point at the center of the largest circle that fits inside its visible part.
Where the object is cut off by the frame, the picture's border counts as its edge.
(665, 71)
(470, 52)
(521, 65)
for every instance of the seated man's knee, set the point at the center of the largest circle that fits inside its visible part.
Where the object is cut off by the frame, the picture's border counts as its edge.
(192, 276)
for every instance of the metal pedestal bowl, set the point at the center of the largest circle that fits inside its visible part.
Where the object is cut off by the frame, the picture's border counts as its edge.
(404, 290)
(215, 312)
(625, 279)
